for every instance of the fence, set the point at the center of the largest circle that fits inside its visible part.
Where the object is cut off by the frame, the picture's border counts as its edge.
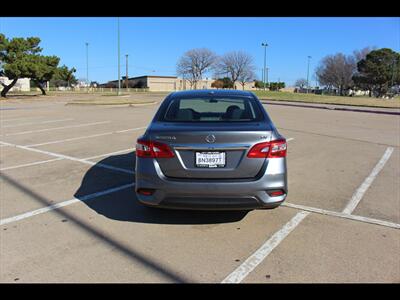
(91, 90)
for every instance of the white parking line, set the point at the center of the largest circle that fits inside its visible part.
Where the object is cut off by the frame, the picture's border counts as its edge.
(257, 257)
(16, 119)
(357, 196)
(31, 164)
(107, 154)
(56, 159)
(83, 137)
(126, 130)
(56, 128)
(70, 158)
(36, 123)
(86, 158)
(342, 215)
(63, 204)
(92, 136)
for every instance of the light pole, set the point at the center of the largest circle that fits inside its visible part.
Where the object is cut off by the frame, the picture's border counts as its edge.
(126, 75)
(262, 76)
(119, 65)
(265, 59)
(308, 70)
(87, 67)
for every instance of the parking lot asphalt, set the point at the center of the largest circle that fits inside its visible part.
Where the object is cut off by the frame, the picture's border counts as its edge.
(68, 211)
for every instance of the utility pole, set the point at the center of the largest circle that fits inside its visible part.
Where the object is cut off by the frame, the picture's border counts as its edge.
(87, 67)
(119, 65)
(262, 76)
(126, 76)
(308, 70)
(393, 66)
(265, 61)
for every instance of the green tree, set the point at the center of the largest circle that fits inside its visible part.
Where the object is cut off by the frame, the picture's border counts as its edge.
(228, 83)
(43, 70)
(20, 58)
(276, 86)
(63, 77)
(225, 83)
(219, 84)
(379, 71)
(260, 85)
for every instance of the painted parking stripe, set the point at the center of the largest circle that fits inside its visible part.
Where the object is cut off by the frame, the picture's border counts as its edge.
(359, 193)
(86, 158)
(111, 153)
(83, 137)
(57, 159)
(31, 164)
(36, 123)
(257, 257)
(70, 158)
(92, 136)
(60, 157)
(342, 215)
(57, 128)
(126, 130)
(63, 204)
(17, 119)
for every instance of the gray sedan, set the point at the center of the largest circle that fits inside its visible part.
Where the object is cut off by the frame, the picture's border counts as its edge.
(211, 149)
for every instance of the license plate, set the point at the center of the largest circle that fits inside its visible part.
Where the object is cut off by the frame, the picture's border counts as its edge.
(214, 159)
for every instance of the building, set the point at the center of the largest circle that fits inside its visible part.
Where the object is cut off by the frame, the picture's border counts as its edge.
(168, 83)
(22, 84)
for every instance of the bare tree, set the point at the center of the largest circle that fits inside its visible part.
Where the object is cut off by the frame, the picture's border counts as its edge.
(362, 54)
(301, 82)
(194, 63)
(337, 71)
(246, 76)
(236, 65)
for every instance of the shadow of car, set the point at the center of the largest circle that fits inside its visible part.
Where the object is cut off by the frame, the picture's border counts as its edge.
(124, 206)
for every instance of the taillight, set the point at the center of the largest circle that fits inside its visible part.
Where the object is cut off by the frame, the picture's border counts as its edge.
(153, 149)
(278, 149)
(273, 149)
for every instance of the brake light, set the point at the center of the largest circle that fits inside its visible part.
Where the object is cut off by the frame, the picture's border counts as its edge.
(153, 149)
(273, 149)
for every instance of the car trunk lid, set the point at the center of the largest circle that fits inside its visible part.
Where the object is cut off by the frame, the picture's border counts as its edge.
(227, 142)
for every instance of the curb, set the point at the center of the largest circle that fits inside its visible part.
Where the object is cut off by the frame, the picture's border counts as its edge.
(113, 104)
(337, 108)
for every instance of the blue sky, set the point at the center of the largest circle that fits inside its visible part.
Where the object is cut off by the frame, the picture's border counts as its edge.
(155, 44)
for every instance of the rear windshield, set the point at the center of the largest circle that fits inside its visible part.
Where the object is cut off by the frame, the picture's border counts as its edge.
(216, 109)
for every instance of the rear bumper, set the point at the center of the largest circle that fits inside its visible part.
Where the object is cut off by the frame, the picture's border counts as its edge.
(211, 194)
